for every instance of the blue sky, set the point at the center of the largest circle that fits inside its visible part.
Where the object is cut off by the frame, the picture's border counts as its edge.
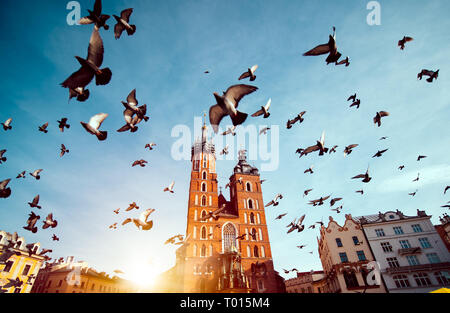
(175, 42)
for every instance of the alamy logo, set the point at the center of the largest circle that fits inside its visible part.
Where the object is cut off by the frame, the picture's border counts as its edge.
(374, 276)
(74, 277)
(374, 17)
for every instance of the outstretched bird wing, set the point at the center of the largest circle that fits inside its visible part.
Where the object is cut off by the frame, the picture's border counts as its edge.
(131, 99)
(237, 92)
(98, 7)
(95, 50)
(80, 78)
(359, 176)
(258, 113)
(216, 114)
(4, 183)
(125, 15)
(97, 120)
(319, 50)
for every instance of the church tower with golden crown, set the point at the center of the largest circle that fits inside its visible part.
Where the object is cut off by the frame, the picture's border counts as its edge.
(228, 251)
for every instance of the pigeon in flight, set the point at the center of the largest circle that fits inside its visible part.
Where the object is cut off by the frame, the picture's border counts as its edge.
(123, 24)
(275, 202)
(249, 73)
(2, 158)
(365, 177)
(36, 173)
(96, 17)
(50, 222)
(170, 188)
(63, 124)
(264, 130)
(413, 193)
(319, 146)
(231, 131)
(319, 202)
(113, 226)
(329, 48)
(55, 238)
(141, 163)
(383, 138)
(296, 225)
(64, 150)
(43, 128)
(35, 203)
(142, 223)
(6, 255)
(338, 210)
(264, 110)
(117, 211)
(333, 201)
(345, 61)
(301, 246)
(21, 175)
(333, 150)
(94, 124)
(225, 151)
(401, 167)
(420, 157)
(31, 223)
(306, 192)
(432, 75)
(133, 114)
(446, 188)
(403, 41)
(379, 153)
(90, 67)
(349, 149)
(416, 179)
(299, 118)
(32, 249)
(279, 217)
(309, 170)
(172, 240)
(132, 206)
(360, 191)
(150, 146)
(227, 105)
(5, 192)
(213, 214)
(7, 124)
(378, 116)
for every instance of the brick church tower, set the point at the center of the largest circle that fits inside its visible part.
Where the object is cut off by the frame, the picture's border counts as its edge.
(229, 253)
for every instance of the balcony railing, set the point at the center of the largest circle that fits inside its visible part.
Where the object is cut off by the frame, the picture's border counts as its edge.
(418, 268)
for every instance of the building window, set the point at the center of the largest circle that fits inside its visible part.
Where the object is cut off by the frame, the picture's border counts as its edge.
(203, 233)
(412, 260)
(250, 204)
(26, 270)
(252, 218)
(204, 175)
(433, 258)
(405, 244)
(93, 287)
(204, 187)
(386, 246)
(355, 240)
(361, 255)
(260, 285)
(203, 200)
(229, 237)
(393, 262)
(339, 242)
(256, 252)
(8, 266)
(380, 232)
(398, 230)
(60, 283)
(343, 257)
(249, 186)
(422, 279)
(424, 243)
(203, 251)
(416, 228)
(441, 278)
(401, 281)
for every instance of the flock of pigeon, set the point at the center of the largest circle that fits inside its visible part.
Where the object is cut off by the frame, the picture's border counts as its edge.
(226, 105)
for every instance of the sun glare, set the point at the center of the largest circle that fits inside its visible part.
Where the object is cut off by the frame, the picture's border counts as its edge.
(143, 274)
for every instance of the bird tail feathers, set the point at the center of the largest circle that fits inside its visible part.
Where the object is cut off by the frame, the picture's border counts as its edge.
(104, 77)
(102, 135)
(132, 30)
(239, 118)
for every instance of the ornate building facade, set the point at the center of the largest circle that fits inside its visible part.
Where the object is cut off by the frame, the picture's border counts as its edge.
(229, 252)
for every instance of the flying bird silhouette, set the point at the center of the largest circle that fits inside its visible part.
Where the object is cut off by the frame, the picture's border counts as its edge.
(379, 153)
(249, 73)
(31, 223)
(63, 124)
(378, 116)
(64, 150)
(35, 203)
(36, 174)
(432, 75)
(2, 157)
(123, 24)
(7, 124)
(43, 128)
(264, 110)
(403, 41)
(96, 17)
(5, 192)
(329, 48)
(94, 124)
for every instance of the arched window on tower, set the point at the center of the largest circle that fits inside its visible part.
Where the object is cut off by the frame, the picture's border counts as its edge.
(249, 186)
(256, 252)
(204, 175)
(229, 237)
(204, 187)
(203, 251)
(203, 200)
(250, 203)
(252, 218)
(203, 233)
(203, 215)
